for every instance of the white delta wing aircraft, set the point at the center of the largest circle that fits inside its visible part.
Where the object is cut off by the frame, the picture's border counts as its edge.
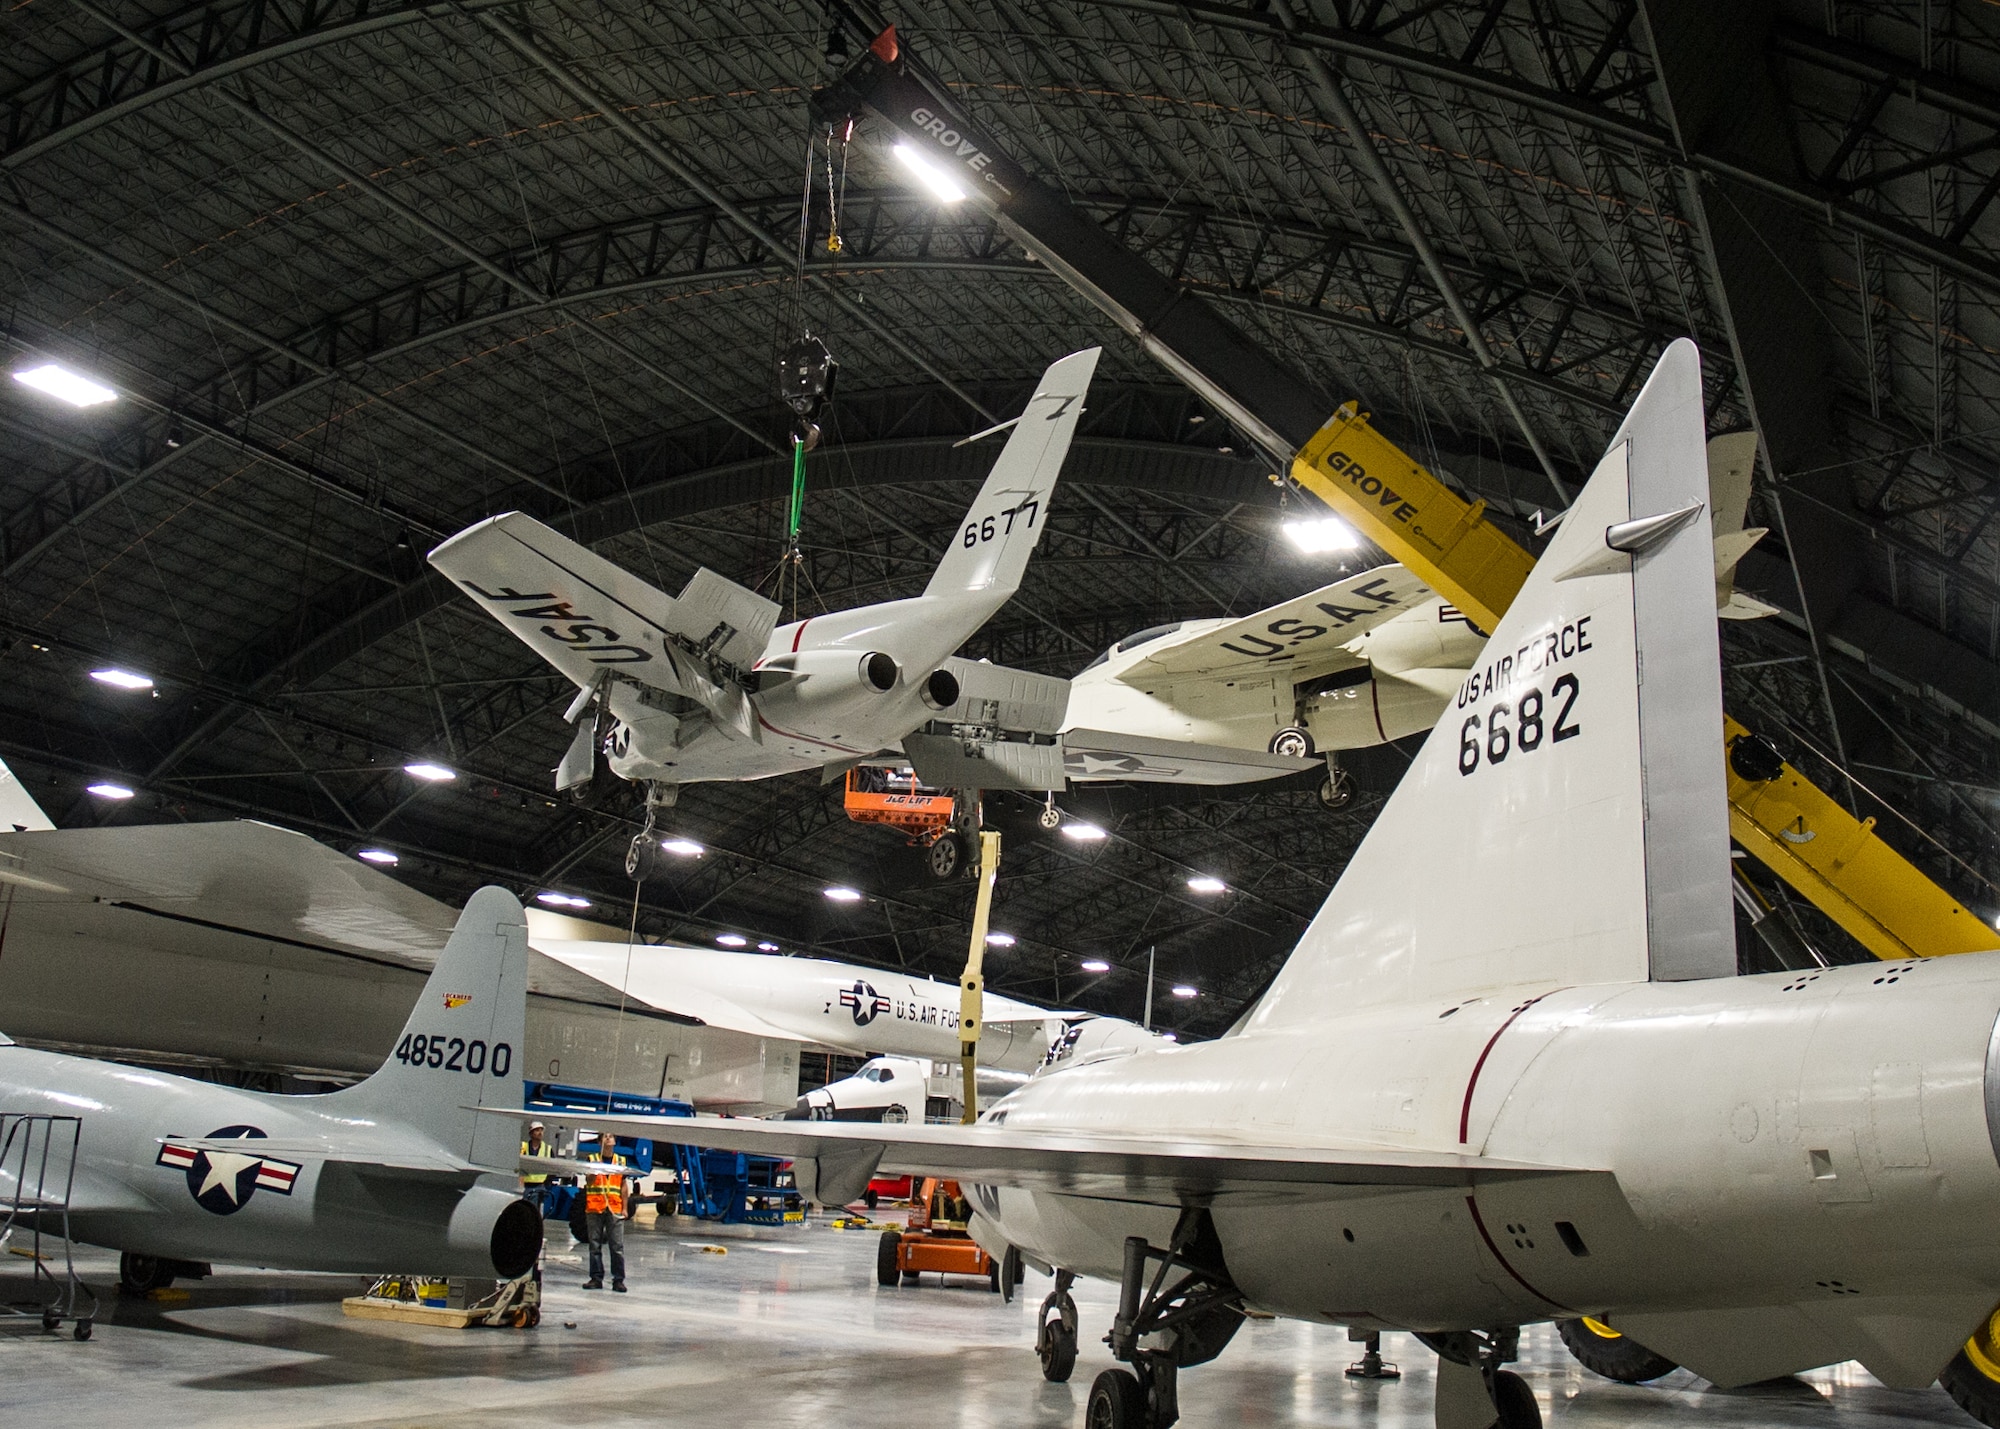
(1508, 1075)
(397, 1172)
(1362, 661)
(708, 685)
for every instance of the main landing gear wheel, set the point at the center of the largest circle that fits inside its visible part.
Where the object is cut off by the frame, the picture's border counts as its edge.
(1116, 1402)
(1972, 1378)
(139, 1274)
(944, 856)
(1058, 1355)
(1515, 1401)
(1055, 1329)
(1293, 742)
(642, 859)
(1602, 1350)
(885, 1258)
(1336, 789)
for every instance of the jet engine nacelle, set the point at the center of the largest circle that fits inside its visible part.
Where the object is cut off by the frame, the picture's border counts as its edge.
(1379, 709)
(819, 680)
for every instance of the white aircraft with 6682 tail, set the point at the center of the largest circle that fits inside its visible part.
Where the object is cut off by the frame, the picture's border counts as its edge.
(396, 1173)
(1509, 1074)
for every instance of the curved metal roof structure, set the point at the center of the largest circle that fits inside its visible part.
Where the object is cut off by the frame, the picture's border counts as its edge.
(364, 271)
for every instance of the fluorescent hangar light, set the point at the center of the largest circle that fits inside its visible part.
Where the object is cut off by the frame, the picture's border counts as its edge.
(1202, 883)
(1321, 535)
(731, 940)
(1001, 940)
(929, 173)
(561, 900)
(767, 947)
(105, 789)
(121, 679)
(1096, 965)
(429, 773)
(1181, 989)
(67, 386)
(1083, 833)
(379, 856)
(681, 848)
(844, 895)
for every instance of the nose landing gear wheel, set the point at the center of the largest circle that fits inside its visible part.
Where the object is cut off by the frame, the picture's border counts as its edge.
(1336, 789)
(642, 858)
(1058, 1356)
(944, 856)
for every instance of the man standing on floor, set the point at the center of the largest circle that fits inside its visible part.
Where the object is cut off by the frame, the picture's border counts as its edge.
(604, 1217)
(535, 1184)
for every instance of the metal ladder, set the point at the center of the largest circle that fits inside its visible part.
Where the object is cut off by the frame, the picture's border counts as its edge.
(38, 1156)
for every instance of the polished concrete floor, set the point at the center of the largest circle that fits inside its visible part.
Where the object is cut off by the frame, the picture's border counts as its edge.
(784, 1328)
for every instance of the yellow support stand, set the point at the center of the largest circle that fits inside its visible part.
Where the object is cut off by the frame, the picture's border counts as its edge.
(1796, 830)
(972, 982)
(1413, 516)
(1799, 833)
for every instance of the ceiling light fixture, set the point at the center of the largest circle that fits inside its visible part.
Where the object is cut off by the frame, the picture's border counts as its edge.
(767, 947)
(121, 679)
(1083, 833)
(681, 848)
(1096, 965)
(1170, 1036)
(1202, 883)
(561, 900)
(66, 386)
(1001, 940)
(731, 940)
(844, 895)
(107, 790)
(380, 856)
(934, 178)
(1181, 989)
(430, 773)
(1321, 535)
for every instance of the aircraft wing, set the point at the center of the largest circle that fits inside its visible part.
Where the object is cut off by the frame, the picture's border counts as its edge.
(1154, 1169)
(657, 987)
(587, 617)
(1304, 637)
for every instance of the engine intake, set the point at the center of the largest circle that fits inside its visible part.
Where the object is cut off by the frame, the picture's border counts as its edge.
(878, 672)
(941, 690)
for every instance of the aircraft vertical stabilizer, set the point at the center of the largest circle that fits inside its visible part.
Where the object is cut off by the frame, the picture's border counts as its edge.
(1565, 823)
(464, 1041)
(992, 544)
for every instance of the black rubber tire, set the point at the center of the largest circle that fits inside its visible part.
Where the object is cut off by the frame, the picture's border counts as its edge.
(913, 1277)
(1292, 740)
(885, 1257)
(1059, 1359)
(993, 1275)
(945, 857)
(1336, 790)
(1616, 1357)
(1972, 1389)
(871, 1198)
(139, 1274)
(1515, 1401)
(1116, 1402)
(642, 858)
(82, 1330)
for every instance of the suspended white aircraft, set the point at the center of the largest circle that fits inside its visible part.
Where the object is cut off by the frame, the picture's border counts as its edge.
(709, 686)
(1367, 659)
(1508, 1074)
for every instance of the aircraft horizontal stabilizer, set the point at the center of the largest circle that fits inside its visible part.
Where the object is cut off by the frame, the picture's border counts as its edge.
(1304, 637)
(1095, 755)
(1143, 1168)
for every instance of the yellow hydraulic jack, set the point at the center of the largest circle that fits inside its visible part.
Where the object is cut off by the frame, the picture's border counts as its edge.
(1831, 858)
(972, 982)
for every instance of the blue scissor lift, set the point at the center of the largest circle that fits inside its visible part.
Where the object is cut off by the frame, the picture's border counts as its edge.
(731, 1187)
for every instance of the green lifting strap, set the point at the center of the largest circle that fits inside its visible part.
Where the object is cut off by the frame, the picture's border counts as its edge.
(798, 492)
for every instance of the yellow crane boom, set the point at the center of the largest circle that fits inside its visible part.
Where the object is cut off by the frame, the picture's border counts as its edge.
(1832, 859)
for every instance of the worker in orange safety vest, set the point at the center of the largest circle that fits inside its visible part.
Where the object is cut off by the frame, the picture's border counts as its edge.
(604, 1217)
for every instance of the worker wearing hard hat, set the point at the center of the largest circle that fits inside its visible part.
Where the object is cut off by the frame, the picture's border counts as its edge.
(604, 1217)
(535, 1184)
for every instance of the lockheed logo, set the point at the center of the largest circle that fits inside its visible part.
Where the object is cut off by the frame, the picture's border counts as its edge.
(222, 1182)
(864, 1002)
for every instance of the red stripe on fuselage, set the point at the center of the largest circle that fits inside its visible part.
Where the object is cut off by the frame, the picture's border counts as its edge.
(1472, 1082)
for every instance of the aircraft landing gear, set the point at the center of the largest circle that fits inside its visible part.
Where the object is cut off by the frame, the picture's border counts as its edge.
(642, 859)
(1336, 788)
(1473, 1391)
(945, 857)
(1602, 1350)
(1055, 1331)
(1292, 740)
(1051, 816)
(1972, 1378)
(1189, 1322)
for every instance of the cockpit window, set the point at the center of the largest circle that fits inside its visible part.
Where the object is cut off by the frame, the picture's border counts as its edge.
(1153, 633)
